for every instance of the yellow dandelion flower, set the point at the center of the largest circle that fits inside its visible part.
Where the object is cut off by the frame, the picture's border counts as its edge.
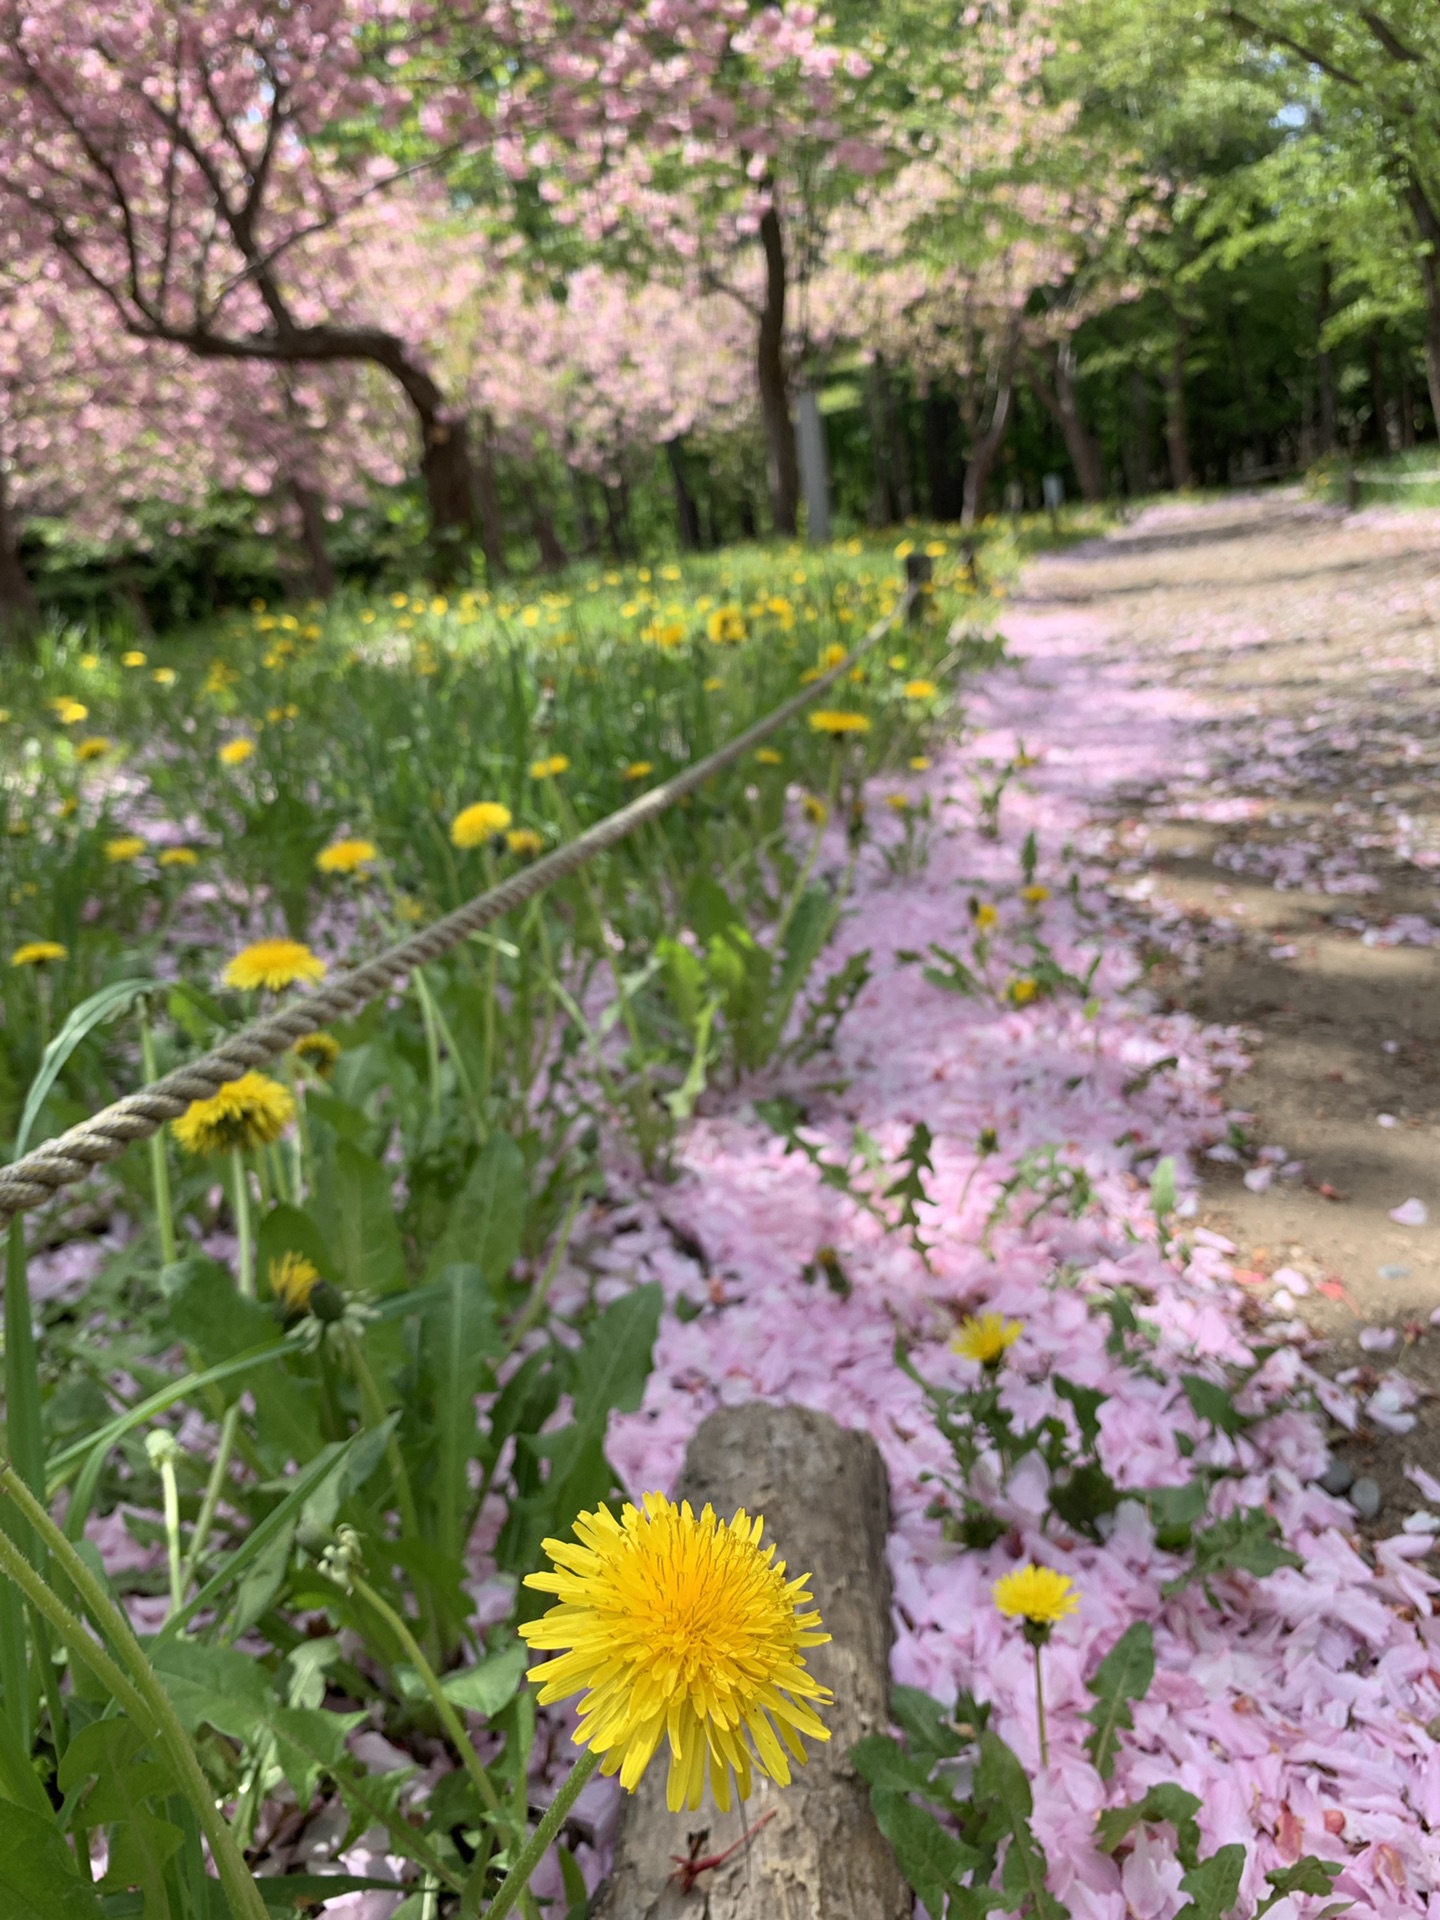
(768, 757)
(833, 655)
(986, 916)
(1023, 990)
(897, 663)
(726, 626)
(69, 712)
(274, 964)
(935, 549)
(545, 769)
(322, 1050)
(164, 676)
(89, 661)
(68, 808)
(178, 857)
(524, 843)
(37, 953)
(95, 748)
(1038, 1595)
(473, 826)
(835, 724)
(293, 1279)
(905, 549)
(134, 658)
(346, 856)
(248, 1112)
(814, 809)
(638, 770)
(125, 847)
(713, 684)
(811, 675)
(900, 802)
(919, 689)
(920, 763)
(683, 1627)
(985, 1338)
(1035, 896)
(236, 752)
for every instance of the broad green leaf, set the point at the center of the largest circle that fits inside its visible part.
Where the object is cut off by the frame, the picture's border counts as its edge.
(101, 1006)
(126, 1791)
(1248, 1540)
(1163, 1802)
(458, 1342)
(1307, 1875)
(930, 1858)
(1214, 1403)
(1122, 1676)
(356, 1213)
(213, 1686)
(887, 1768)
(1087, 1402)
(1214, 1885)
(487, 1221)
(492, 1684)
(38, 1876)
(19, 1784)
(1001, 1778)
(925, 1724)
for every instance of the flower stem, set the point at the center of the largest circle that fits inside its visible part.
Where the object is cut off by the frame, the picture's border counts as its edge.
(556, 1814)
(449, 1718)
(159, 1165)
(1040, 1711)
(220, 1466)
(139, 1690)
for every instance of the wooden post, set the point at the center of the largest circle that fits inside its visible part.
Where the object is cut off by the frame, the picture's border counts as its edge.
(824, 1496)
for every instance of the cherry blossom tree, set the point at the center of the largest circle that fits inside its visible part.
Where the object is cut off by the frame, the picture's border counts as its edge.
(200, 168)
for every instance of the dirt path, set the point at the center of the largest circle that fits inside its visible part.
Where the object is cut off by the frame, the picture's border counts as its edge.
(1289, 871)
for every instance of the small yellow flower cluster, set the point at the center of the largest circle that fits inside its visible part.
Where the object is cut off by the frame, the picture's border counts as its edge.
(346, 856)
(473, 826)
(273, 964)
(37, 953)
(726, 626)
(248, 1112)
(548, 768)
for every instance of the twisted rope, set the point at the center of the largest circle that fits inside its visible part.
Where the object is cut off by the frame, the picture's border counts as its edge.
(63, 1162)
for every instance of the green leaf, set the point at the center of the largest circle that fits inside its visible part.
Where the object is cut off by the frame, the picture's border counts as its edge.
(1248, 1540)
(925, 1724)
(1084, 1497)
(682, 973)
(356, 1212)
(19, 1784)
(205, 1310)
(930, 1858)
(884, 1764)
(487, 1222)
(1214, 1885)
(1165, 1801)
(213, 1686)
(1087, 1402)
(492, 1684)
(1001, 1778)
(124, 1794)
(82, 1020)
(38, 1876)
(1122, 1676)
(1307, 1875)
(1162, 1190)
(458, 1341)
(1213, 1402)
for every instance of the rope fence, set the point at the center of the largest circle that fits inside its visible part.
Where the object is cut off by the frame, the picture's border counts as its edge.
(63, 1162)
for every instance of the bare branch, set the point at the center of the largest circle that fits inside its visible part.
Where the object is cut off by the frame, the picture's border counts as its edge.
(1278, 39)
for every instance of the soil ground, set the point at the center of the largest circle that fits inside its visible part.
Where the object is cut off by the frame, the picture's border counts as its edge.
(1291, 869)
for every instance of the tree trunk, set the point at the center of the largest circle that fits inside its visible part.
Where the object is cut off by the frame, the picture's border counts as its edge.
(614, 520)
(1325, 367)
(492, 526)
(686, 513)
(1137, 441)
(1407, 406)
(884, 497)
(1177, 432)
(1428, 223)
(781, 459)
(589, 533)
(312, 538)
(18, 609)
(986, 442)
(1062, 403)
(1379, 410)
